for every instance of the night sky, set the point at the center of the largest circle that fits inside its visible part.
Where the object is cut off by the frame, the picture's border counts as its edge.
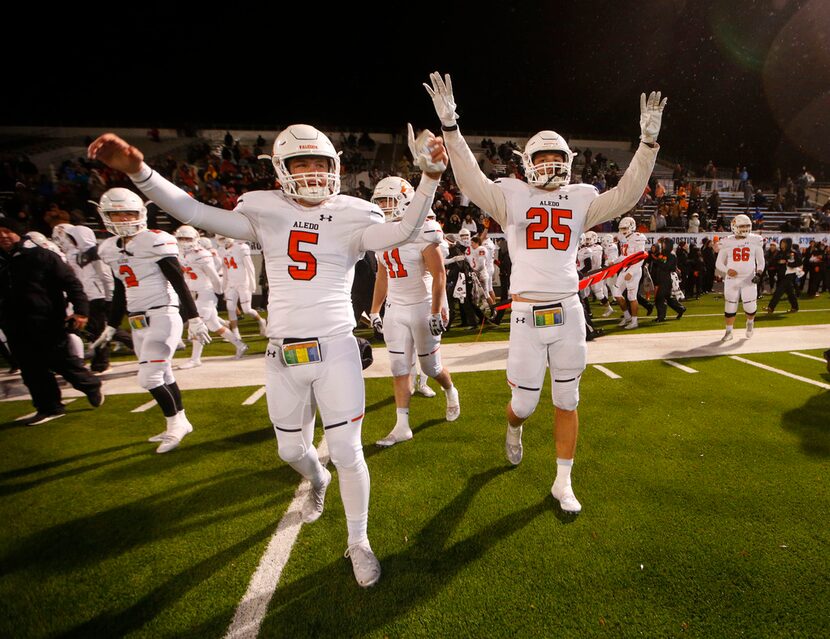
(746, 81)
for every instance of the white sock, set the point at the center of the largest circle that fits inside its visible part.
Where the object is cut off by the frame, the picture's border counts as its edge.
(354, 491)
(403, 419)
(728, 329)
(172, 421)
(626, 315)
(229, 336)
(563, 471)
(514, 433)
(236, 332)
(196, 354)
(750, 322)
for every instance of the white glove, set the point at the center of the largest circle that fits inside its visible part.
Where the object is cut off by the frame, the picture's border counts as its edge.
(377, 322)
(436, 324)
(420, 149)
(442, 98)
(197, 331)
(651, 114)
(104, 338)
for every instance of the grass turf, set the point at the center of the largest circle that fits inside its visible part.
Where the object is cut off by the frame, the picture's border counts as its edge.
(704, 515)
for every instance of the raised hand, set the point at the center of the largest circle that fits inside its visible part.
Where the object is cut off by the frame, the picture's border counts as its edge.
(651, 115)
(116, 153)
(442, 98)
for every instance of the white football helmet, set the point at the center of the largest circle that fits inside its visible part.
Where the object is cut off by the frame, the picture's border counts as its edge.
(627, 226)
(547, 175)
(62, 236)
(590, 238)
(607, 241)
(122, 200)
(582, 240)
(393, 194)
(205, 243)
(187, 237)
(44, 242)
(303, 140)
(741, 225)
(223, 241)
(464, 237)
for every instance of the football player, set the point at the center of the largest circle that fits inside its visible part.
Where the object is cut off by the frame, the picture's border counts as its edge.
(239, 280)
(479, 260)
(741, 259)
(543, 219)
(311, 238)
(150, 286)
(628, 281)
(595, 252)
(411, 280)
(203, 282)
(610, 255)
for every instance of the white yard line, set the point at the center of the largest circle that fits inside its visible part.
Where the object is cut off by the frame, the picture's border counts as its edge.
(610, 374)
(685, 369)
(780, 372)
(818, 359)
(144, 407)
(251, 610)
(254, 398)
(643, 318)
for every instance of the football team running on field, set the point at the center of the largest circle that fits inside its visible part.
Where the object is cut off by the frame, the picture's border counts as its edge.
(311, 237)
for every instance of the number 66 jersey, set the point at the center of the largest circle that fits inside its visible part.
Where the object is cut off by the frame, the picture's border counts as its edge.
(744, 255)
(136, 266)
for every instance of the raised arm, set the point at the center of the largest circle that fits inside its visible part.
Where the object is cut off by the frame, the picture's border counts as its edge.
(625, 195)
(118, 154)
(473, 183)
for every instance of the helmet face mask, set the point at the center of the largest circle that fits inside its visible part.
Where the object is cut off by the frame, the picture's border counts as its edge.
(119, 202)
(307, 183)
(547, 173)
(590, 238)
(607, 241)
(627, 226)
(187, 237)
(464, 237)
(392, 195)
(61, 237)
(741, 225)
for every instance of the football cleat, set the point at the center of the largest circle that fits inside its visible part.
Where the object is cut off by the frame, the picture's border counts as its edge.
(727, 336)
(513, 445)
(173, 437)
(240, 350)
(608, 311)
(624, 321)
(191, 363)
(634, 323)
(453, 405)
(395, 437)
(425, 390)
(365, 565)
(566, 498)
(750, 329)
(313, 506)
(157, 438)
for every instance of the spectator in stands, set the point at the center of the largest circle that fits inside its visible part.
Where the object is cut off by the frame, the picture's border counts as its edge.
(708, 255)
(612, 177)
(469, 224)
(815, 265)
(228, 139)
(657, 223)
(777, 204)
(453, 224)
(743, 178)
(694, 223)
(713, 205)
(677, 176)
(694, 276)
(711, 174)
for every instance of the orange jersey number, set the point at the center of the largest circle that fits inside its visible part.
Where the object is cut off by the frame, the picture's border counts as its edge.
(309, 263)
(396, 256)
(544, 219)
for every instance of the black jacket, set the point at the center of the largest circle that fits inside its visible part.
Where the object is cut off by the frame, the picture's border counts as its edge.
(33, 282)
(664, 265)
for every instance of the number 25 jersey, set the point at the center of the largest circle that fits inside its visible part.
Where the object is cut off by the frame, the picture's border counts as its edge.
(136, 266)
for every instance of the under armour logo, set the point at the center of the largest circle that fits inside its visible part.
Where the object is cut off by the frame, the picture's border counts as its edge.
(325, 217)
(520, 319)
(271, 353)
(563, 197)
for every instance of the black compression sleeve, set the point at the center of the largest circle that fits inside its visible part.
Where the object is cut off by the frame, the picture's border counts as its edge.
(172, 270)
(119, 304)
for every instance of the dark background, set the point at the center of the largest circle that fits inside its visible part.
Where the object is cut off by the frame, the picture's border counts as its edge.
(747, 81)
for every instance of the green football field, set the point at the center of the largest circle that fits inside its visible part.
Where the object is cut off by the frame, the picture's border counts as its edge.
(705, 508)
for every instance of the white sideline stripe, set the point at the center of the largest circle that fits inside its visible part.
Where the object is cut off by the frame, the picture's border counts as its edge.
(144, 407)
(253, 399)
(610, 374)
(68, 401)
(685, 369)
(818, 359)
(806, 310)
(780, 372)
(251, 610)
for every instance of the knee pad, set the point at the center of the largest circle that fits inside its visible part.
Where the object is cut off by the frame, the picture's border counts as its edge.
(399, 363)
(291, 447)
(232, 316)
(730, 308)
(523, 401)
(345, 448)
(751, 307)
(565, 390)
(431, 364)
(151, 374)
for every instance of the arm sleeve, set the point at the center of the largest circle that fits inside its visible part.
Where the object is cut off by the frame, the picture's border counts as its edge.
(473, 183)
(627, 193)
(184, 208)
(172, 270)
(70, 285)
(720, 263)
(760, 263)
(383, 236)
(119, 304)
(212, 275)
(250, 271)
(102, 271)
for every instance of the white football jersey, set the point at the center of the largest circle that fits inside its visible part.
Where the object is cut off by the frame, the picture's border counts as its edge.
(196, 265)
(237, 268)
(492, 250)
(136, 266)
(581, 255)
(310, 253)
(612, 254)
(543, 229)
(478, 258)
(632, 244)
(409, 281)
(743, 255)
